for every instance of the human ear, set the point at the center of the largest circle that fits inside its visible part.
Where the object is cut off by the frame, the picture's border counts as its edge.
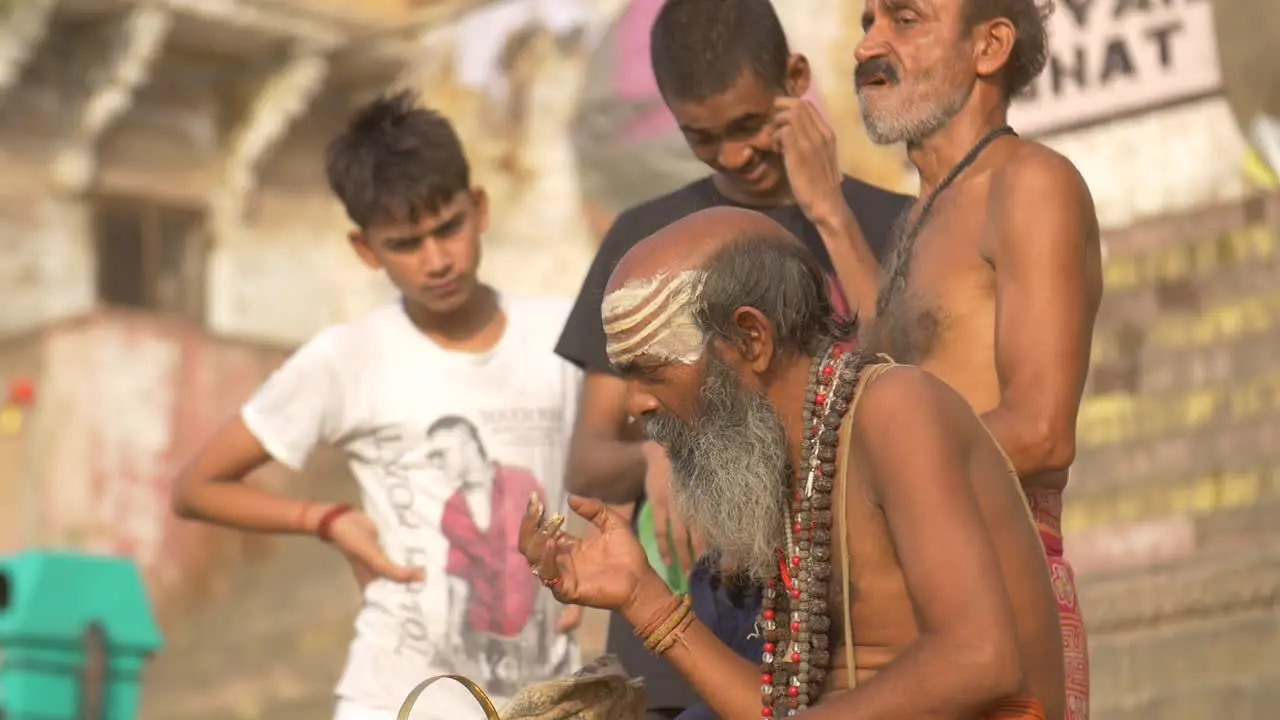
(364, 250)
(756, 339)
(799, 76)
(993, 44)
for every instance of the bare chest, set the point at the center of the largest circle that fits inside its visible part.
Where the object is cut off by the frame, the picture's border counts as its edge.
(869, 604)
(938, 289)
(872, 611)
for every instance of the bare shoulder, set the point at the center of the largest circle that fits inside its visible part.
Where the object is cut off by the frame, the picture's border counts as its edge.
(912, 434)
(1038, 173)
(1040, 209)
(905, 405)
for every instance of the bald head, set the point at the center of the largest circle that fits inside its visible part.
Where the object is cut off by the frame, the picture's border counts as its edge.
(682, 284)
(688, 243)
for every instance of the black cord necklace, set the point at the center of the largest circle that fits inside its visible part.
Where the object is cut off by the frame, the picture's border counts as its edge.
(906, 247)
(950, 177)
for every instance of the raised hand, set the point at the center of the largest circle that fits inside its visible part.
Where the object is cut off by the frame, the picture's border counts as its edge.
(808, 147)
(355, 535)
(602, 570)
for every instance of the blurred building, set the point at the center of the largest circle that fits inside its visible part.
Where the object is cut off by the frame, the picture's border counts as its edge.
(166, 237)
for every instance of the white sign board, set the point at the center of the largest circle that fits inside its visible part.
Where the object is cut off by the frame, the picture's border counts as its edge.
(1111, 57)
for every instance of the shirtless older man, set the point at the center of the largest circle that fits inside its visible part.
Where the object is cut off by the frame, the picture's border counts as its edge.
(996, 278)
(903, 575)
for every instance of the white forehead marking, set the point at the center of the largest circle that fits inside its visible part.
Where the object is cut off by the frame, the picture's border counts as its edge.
(655, 317)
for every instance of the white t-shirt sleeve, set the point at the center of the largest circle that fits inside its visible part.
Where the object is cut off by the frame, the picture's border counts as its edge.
(573, 379)
(300, 404)
(573, 397)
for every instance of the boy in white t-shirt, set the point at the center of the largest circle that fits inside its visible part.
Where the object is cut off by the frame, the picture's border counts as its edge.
(451, 409)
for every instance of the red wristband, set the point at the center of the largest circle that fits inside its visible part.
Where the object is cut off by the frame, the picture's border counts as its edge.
(326, 521)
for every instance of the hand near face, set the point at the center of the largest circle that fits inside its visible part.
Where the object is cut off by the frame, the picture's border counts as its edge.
(601, 570)
(808, 147)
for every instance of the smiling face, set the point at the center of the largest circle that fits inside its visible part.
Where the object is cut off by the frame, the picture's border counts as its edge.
(433, 257)
(732, 131)
(725, 440)
(915, 69)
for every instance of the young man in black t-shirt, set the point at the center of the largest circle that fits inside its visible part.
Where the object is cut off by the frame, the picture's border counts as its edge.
(727, 74)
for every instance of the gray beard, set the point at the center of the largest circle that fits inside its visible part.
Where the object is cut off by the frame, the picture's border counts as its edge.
(913, 123)
(729, 472)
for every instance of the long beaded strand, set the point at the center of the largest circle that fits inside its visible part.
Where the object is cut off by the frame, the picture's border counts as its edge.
(797, 654)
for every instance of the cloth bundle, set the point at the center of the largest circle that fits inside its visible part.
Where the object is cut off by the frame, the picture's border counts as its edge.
(599, 691)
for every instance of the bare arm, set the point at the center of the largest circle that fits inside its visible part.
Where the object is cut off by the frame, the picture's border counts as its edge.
(210, 488)
(857, 269)
(293, 411)
(297, 408)
(916, 463)
(808, 146)
(726, 682)
(1048, 287)
(966, 657)
(603, 462)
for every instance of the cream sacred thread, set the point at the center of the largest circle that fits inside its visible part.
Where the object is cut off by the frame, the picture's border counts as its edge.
(655, 317)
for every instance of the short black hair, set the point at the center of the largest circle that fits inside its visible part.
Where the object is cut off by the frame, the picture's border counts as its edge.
(396, 160)
(700, 48)
(453, 422)
(783, 280)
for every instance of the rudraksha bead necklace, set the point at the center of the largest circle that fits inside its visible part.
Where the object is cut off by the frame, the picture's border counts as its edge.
(794, 617)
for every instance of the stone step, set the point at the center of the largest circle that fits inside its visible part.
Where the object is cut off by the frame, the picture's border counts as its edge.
(1223, 582)
(1251, 698)
(1199, 639)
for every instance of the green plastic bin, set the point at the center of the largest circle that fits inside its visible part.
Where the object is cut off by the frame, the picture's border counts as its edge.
(75, 632)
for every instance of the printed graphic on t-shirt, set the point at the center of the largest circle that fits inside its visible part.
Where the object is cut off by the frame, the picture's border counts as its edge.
(397, 475)
(447, 449)
(497, 631)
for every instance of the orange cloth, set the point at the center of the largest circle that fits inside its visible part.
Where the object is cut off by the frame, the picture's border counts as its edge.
(1019, 708)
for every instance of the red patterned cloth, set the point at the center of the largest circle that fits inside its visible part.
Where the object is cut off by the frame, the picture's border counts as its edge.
(503, 591)
(1046, 507)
